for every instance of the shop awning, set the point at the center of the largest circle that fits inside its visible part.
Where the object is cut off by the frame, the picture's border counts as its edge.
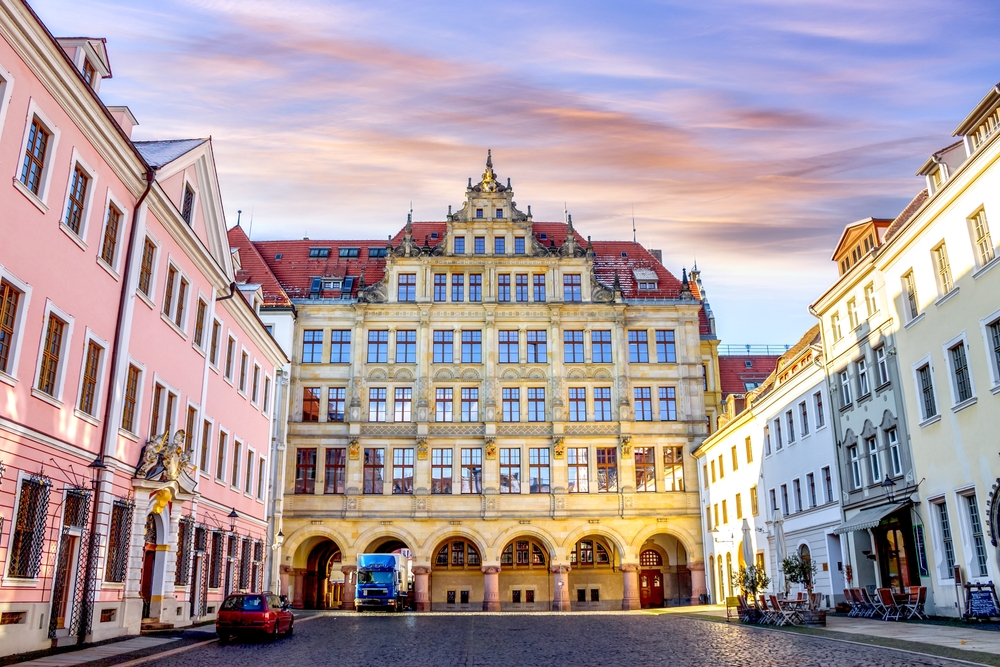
(868, 518)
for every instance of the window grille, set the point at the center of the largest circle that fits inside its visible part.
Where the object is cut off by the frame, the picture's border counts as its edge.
(245, 564)
(215, 568)
(119, 539)
(28, 536)
(258, 559)
(185, 544)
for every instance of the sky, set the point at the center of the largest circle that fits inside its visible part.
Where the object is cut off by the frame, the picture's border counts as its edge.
(744, 134)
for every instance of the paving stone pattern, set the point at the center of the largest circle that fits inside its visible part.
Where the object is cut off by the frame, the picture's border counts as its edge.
(524, 640)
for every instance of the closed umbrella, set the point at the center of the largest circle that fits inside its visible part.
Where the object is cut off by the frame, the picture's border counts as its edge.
(747, 544)
(779, 545)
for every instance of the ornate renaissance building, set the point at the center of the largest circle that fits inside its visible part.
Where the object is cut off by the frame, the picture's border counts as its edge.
(513, 403)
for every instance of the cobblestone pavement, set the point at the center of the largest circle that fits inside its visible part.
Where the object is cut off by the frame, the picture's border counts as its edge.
(523, 640)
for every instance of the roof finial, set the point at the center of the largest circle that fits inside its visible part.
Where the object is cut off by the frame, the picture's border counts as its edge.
(489, 158)
(685, 285)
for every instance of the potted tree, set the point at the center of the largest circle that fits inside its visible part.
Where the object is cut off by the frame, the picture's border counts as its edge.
(798, 570)
(752, 581)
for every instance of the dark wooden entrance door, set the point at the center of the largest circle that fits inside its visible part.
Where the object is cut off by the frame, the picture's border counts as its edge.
(64, 575)
(148, 565)
(651, 588)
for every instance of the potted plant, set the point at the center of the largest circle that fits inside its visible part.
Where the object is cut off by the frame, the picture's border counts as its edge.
(752, 581)
(798, 570)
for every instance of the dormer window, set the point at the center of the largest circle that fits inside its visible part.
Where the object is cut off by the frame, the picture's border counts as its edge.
(748, 363)
(187, 206)
(646, 279)
(278, 256)
(349, 252)
(434, 235)
(315, 286)
(319, 252)
(89, 73)
(543, 237)
(647, 286)
(376, 252)
(624, 254)
(479, 212)
(985, 130)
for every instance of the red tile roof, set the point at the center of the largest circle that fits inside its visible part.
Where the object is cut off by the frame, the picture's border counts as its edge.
(255, 270)
(905, 215)
(734, 372)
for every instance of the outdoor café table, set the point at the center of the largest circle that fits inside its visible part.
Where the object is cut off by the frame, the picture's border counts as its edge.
(794, 605)
(901, 598)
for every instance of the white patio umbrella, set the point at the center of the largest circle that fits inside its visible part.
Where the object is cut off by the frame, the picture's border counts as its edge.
(779, 546)
(747, 544)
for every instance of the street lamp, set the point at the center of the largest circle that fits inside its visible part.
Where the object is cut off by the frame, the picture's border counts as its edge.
(887, 486)
(96, 468)
(279, 539)
(233, 517)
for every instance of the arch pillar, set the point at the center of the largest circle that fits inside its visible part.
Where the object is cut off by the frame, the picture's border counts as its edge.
(348, 599)
(560, 589)
(421, 587)
(491, 588)
(697, 581)
(630, 592)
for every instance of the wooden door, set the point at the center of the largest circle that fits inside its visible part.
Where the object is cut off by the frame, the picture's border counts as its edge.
(64, 575)
(146, 582)
(651, 588)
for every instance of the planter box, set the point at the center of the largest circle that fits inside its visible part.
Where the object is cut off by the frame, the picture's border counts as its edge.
(813, 619)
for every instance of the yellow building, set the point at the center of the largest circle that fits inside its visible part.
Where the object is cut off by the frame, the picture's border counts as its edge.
(512, 403)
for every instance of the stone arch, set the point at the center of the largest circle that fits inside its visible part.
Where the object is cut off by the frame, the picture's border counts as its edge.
(504, 538)
(305, 533)
(889, 421)
(616, 540)
(602, 374)
(684, 537)
(403, 374)
(470, 374)
(444, 374)
(576, 374)
(510, 374)
(449, 532)
(868, 430)
(536, 374)
(375, 536)
(849, 438)
(378, 374)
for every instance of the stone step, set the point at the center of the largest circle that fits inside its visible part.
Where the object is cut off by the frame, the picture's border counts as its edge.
(149, 625)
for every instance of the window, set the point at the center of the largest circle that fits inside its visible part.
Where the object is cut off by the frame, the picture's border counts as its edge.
(475, 287)
(722, 467)
(248, 477)
(864, 386)
(573, 347)
(976, 528)
(852, 452)
(749, 448)
(845, 389)
(518, 242)
(406, 287)
(790, 420)
(470, 404)
(457, 555)
(443, 404)
(312, 346)
(981, 238)
(960, 372)
(735, 457)
(349, 253)
(176, 285)
(199, 323)
(35, 155)
(668, 404)
(206, 436)
(536, 404)
(131, 398)
(220, 457)
(376, 404)
(818, 402)
(835, 327)
(443, 347)
(925, 386)
(538, 282)
(472, 347)
(459, 245)
(340, 346)
(601, 346)
(48, 370)
(310, 404)
(943, 268)
(645, 469)
(499, 242)
(643, 404)
(577, 404)
(784, 499)
(509, 353)
(602, 404)
(725, 512)
(480, 241)
(27, 536)
(638, 352)
(511, 403)
(77, 199)
(440, 287)
(510, 470)
(881, 366)
(237, 459)
(458, 287)
(378, 347)
(91, 369)
(402, 470)
(673, 468)
(323, 252)
(753, 501)
(479, 213)
(524, 553)
(187, 206)
(521, 287)
(852, 314)
(503, 287)
(712, 462)
(244, 361)
(261, 475)
(538, 469)
(576, 464)
(774, 502)
(827, 483)
(571, 288)
(666, 352)
(778, 442)
(870, 303)
(472, 470)
(797, 491)
(607, 469)
(910, 291)
(213, 351)
(374, 470)
(230, 357)
(118, 542)
(804, 418)
(441, 470)
(946, 539)
(266, 407)
(406, 347)
(767, 440)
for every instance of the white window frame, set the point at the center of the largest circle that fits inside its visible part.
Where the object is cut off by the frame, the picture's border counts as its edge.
(188, 183)
(925, 419)
(188, 404)
(98, 393)
(817, 407)
(56, 398)
(113, 269)
(181, 328)
(206, 342)
(882, 366)
(960, 339)
(255, 367)
(237, 466)
(845, 388)
(895, 453)
(857, 475)
(266, 402)
(170, 389)
(864, 382)
(939, 251)
(149, 299)
(20, 320)
(139, 393)
(871, 301)
(263, 461)
(244, 391)
(968, 544)
(19, 582)
(251, 456)
(984, 326)
(874, 460)
(853, 320)
(201, 443)
(41, 199)
(6, 91)
(226, 457)
(835, 327)
(79, 238)
(797, 494)
(223, 353)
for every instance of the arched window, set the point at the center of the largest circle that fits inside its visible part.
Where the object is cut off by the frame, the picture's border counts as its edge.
(523, 553)
(457, 555)
(650, 558)
(804, 552)
(591, 552)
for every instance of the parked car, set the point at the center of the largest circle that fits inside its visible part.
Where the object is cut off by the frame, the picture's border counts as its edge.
(248, 614)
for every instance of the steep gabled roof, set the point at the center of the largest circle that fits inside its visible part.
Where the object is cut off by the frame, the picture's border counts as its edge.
(160, 153)
(734, 372)
(253, 269)
(291, 264)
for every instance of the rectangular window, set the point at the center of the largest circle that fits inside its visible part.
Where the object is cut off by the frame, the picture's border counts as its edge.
(109, 241)
(852, 314)
(538, 470)
(852, 452)
(27, 535)
(479, 243)
(511, 400)
(475, 287)
(458, 287)
(440, 287)
(206, 439)
(778, 441)
(472, 470)
(577, 404)
(213, 349)
(244, 362)
(864, 386)
(835, 327)
(237, 459)
(845, 389)
(406, 287)
(601, 347)
(406, 347)
(577, 469)
(643, 404)
(607, 469)
(472, 347)
(960, 372)
(503, 287)
(378, 347)
(947, 541)
(943, 267)
(199, 323)
(870, 302)
(828, 483)
(638, 352)
(521, 287)
(754, 508)
(230, 357)
(536, 404)
(146, 268)
(981, 238)
(336, 470)
(881, 366)
(820, 416)
(340, 346)
(312, 346)
(402, 470)
(131, 397)
(510, 470)
(509, 353)
(248, 477)
(255, 384)
(374, 470)
(892, 444)
(735, 457)
(978, 542)
(811, 489)
(666, 351)
(712, 462)
(538, 282)
(10, 298)
(571, 288)
(767, 440)
(335, 404)
(790, 421)
(443, 404)
(118, 543)
(804, 418)
(261, 477)
(573, 347)
(441, 467)
(443, 347)
(668, 404)
(48, 370)
(797, 491)
(749, 448)
(645, 469)
(91, 367)
(266, 408)
(774, 502)
(784, 499)
(673, 468)
(376, 404)
(470, 404)
(602, 404)
(35, 155)
(926, 387)
(192, 414)
(499, 245)
(220, 458)
(182, 288)
(459, 245)
(722, 467)
(725, 512)
(187, 206)
(910, 291)
(538, 354)
(518, 245)
(77, 199)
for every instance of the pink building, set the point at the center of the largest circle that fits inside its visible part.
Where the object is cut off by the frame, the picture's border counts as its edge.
(136, 380)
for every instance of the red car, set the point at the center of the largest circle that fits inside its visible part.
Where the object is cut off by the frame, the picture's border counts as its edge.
(247, 614)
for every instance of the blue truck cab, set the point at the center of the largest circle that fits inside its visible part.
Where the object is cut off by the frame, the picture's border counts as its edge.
(383, 582)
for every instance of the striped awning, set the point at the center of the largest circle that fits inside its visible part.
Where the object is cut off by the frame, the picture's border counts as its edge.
(868, 518)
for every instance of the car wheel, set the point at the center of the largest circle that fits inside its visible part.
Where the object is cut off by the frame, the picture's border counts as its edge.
(274, 633)
(291, 628)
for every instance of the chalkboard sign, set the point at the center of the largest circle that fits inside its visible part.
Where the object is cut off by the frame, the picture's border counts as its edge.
(981, 601)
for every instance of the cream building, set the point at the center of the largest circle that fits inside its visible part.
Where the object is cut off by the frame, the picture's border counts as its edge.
(512, 403)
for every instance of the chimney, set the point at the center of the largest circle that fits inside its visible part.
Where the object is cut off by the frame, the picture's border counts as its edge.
(658, 254)
(126, 121)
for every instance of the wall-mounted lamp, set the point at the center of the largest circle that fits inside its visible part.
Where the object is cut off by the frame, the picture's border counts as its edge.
(887, 486)
(96, 468)
(233, 517)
